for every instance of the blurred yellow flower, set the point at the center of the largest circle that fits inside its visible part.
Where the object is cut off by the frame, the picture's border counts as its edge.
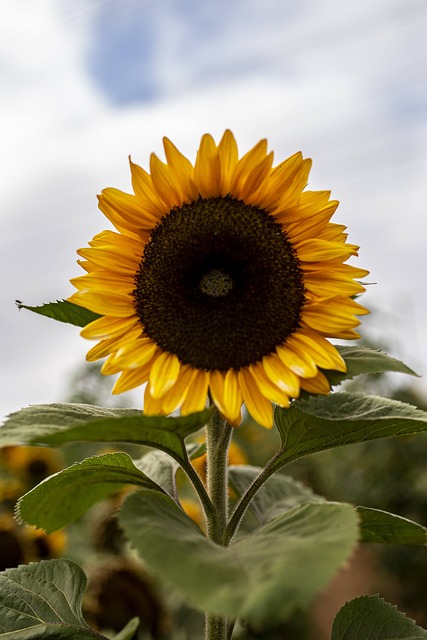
(32, 464)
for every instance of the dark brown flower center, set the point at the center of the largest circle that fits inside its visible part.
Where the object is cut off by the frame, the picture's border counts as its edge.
(219, 284)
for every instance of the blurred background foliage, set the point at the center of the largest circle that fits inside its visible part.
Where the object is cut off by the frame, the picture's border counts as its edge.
(389, 474)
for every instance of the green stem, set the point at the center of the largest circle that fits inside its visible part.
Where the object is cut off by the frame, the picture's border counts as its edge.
(199, 488)
(218, 435)
(216, 627)
(245, 500)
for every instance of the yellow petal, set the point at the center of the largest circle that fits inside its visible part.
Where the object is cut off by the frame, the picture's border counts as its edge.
(136, 354)
(197, 393)
(207, 170)
(177, 394)
(257, 405)
(131, 379)
(87, 266)
(232, 397)
(122, 224)
(292, 190)
(245, 165)
(106, 281)
(217, 390)
(105, 303)
(333, 316)
(164, 374)
(112, 259)
(347, 334)
(144, 189)
(105, 347)
(267, 388)
(281, 375)
(319, 384)
(101, 350)
(316, 250)
(216, 386)
(308, 227)
(323, 352)
(308, 204)
(334, 232)
(249, 188)
(129, 207)
(228, 155)
(281, 179)
(183, 170)
(123, 209)
(323, 287)
(109, 367)
(152, 406)
(122, 243)
(297, 360)
(166, 186)
(108, 327)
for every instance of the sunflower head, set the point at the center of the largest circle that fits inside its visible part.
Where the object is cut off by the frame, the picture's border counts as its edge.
(31, 464)
(12, 547)
(226, 277)
(45, 545)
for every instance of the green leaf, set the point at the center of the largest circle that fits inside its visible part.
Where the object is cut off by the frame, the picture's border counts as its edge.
(280, 493)
(42, 601)
(55, 424)
(371, 617)
(276, 496)
(261, 577)
(129, 631)
(381, 526)
(63, 311)
(196, 450)
(362, 360)
(162, 469)
(326, 422)
(68, 494)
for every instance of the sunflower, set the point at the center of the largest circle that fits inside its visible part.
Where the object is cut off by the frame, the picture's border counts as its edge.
(226, 278)
(31, 464)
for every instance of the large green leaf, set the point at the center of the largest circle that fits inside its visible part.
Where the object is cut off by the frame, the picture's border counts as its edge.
(68, 494)
(42, 601)
(338, 419)
(362, 360)
(56, 424)
(278, 494)
(63, 311)
(261, 577)
(371, 617)
(381, 526)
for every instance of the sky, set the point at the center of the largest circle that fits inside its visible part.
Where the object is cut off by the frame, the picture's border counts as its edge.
(85, 84)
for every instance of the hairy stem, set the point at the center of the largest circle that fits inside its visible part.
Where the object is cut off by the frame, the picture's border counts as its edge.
(218, 435)
(199, 488)
(245, 500)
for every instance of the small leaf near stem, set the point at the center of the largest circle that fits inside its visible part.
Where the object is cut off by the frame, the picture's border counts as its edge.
(218, 436)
